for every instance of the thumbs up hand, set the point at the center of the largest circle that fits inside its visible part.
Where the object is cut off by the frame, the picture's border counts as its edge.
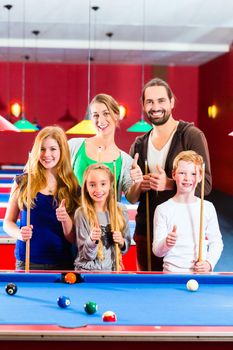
(61, 212)
(159, 169)
(172, 237)
(158, 179)
(135, 172)
(135, 161)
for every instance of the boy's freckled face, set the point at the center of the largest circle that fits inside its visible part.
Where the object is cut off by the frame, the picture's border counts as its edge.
(187, 176)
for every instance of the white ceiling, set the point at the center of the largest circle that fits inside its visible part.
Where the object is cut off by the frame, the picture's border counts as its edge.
(159, 32)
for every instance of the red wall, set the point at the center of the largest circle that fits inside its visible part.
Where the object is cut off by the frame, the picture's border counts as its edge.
(216, 87)
(184, 82)
(52, 88)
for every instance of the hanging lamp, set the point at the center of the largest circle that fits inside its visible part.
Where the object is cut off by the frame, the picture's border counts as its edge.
(67, 117)
(142, 125)
(23, 124)
(5, 125)
(86, 126)
(36, 34)
(8, 8)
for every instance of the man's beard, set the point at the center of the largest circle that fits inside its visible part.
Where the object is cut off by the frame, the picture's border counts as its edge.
(158, 121)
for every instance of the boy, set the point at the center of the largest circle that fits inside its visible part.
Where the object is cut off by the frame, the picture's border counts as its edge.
(177, 222)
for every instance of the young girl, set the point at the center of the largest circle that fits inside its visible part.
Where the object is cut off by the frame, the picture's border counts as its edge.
(53, 186)
(94, 221)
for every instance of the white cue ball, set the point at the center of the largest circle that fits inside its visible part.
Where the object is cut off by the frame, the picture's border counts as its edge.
(192, 285)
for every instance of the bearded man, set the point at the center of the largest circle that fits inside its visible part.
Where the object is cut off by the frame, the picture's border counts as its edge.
(157, 150)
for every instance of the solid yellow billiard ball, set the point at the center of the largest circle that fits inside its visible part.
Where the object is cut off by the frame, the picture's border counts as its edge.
(192, 285)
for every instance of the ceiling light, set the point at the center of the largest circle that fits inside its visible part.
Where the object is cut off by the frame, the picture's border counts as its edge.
(25, 126)
(141, 126)
(16, 109)
(5, 125)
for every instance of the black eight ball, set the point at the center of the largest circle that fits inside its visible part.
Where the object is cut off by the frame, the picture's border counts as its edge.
(11, 288)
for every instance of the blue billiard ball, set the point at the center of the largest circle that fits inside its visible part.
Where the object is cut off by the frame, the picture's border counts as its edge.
(63, 301)
(11, 288)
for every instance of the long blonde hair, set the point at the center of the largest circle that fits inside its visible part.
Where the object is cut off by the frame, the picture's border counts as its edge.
(67, 184)
(89, 210)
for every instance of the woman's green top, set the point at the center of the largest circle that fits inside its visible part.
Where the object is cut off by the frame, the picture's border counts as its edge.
(82, 161)
(124, 182)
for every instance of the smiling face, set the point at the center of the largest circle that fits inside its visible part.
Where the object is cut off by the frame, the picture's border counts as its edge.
(157, 105)
(49, 153)
(103, 120)
(98, 186)
(187, 175)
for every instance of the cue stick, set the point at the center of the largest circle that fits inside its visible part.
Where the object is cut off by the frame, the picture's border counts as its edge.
(200, 256)
(27, 261)
(148, 224)
(115, 216)
(99, 154)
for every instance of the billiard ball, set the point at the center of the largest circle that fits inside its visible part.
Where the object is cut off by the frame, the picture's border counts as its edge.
(70, 278)
(192, 285)
(109, 316)
(63, 301)
(90, 307)
(11, 288)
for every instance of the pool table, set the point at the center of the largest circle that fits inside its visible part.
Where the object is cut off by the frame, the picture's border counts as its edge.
(150, 308)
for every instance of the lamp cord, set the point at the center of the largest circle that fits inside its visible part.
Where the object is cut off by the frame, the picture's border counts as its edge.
(89, 62)
(143, 48)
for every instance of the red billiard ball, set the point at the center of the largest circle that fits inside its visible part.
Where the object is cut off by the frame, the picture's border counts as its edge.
(11, 288)
(109, 316)
(63, 301)
(70, 278)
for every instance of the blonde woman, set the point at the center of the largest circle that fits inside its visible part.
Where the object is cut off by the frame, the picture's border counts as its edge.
(105, 115)
(94, 221)
(53, 188)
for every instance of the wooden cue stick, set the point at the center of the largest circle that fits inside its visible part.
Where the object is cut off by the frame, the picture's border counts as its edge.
(115, 216)
(148, 224)
(99, 154)
(201, 236)
(27, 259)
